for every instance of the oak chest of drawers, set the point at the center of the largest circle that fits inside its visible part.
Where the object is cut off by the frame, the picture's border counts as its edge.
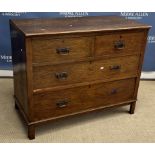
(64, 67)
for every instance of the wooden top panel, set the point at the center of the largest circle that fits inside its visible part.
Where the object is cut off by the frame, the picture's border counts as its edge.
(34, 27)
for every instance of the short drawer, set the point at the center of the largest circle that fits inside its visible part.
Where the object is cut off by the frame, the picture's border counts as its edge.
(66, 101)
(61, 50)
(105, 70)
(120, 43)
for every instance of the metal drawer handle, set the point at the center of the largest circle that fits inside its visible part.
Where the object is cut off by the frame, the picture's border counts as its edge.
(62, 104)
(114, 91)
(119, 45)
(61, 76)
(116, 67)
(63, 51)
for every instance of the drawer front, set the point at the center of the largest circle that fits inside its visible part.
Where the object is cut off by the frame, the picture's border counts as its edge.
(105, 70)
(63, 102)
(118, 44)
(61, 50)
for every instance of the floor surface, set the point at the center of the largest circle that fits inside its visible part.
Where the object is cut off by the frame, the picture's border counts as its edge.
(103, 126)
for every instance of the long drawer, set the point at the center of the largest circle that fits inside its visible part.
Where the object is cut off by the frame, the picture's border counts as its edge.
(120, 43)
(105, 70)
(61, 50)
(68, 101)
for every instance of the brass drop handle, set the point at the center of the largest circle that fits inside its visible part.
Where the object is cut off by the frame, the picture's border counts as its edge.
(115, 67)
(63, 51)
(61, 76)
(62, 104)
(119, 45)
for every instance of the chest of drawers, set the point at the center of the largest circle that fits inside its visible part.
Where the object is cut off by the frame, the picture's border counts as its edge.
(64, 67)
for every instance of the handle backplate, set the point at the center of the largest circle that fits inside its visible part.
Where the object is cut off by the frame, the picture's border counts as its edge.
(63, 51)
(114, 91)
(61, 76)
(115, 67)
(119, 45)
(62, 104)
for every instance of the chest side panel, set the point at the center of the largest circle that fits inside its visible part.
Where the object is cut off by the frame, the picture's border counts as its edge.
(19, 67)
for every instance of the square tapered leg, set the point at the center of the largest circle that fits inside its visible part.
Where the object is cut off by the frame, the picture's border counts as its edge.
(31, 132)
(132, 108)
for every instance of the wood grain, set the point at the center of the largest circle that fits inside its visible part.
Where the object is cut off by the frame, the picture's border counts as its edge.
(45, 77)
(19, 67)
(132, 43)
(141, 59)
(69, 66)
(37, 27)
(45, 50)
(85, 97)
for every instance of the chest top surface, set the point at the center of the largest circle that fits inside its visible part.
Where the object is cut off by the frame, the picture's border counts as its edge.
(34, 27)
